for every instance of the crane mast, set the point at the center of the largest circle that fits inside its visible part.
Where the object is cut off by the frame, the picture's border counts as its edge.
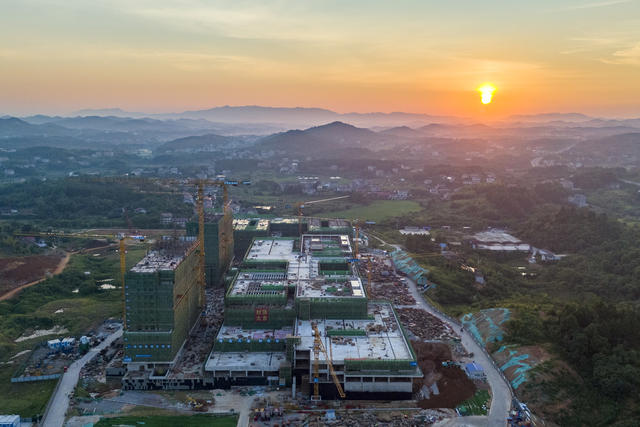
(317, 348)
(201, 275)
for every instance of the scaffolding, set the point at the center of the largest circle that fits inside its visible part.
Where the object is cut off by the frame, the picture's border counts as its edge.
(162, 304)
(331, 308)
(247, 318)
(217, 256)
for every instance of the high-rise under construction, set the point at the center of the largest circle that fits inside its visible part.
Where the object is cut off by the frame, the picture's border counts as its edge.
(162, 303)
(218, 244)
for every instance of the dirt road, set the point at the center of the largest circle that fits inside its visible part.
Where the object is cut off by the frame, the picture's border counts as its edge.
(61, 265)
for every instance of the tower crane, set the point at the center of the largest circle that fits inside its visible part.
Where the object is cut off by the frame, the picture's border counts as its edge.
(200, 183)
(317, 348)
(301, 205)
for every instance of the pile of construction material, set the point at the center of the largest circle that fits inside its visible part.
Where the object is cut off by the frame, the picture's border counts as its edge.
(378, 418)
(396, 292)
(198, 344)
(424, 325)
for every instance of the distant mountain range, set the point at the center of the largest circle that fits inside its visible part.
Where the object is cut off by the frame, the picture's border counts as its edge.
(286, 118)
(261, 120)
(549, 117)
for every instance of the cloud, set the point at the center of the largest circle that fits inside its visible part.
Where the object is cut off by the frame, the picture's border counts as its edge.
(606, 3)
(628, 56)
(248, 22)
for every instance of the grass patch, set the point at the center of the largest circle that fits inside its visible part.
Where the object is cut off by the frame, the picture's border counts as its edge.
(34, 308)
(377, 211)
(25, 399)
(477, 405)
(170, 421)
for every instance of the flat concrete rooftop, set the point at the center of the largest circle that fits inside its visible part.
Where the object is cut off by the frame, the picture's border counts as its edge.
(327, 289)
(303, 269)
(384, 339)
(252, 224)
(271, 249)
(236, 333)
(249, 283)
(157, 261)
(244, 361)
(496, 236)
(326, 245)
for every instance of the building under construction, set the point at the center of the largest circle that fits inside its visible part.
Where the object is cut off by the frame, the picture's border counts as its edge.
(218, 244)
(162, 303)
(297, 314)
(247, 229)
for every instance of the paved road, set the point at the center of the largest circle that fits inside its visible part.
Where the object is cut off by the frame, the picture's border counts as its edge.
(501, 393)
(60, 400)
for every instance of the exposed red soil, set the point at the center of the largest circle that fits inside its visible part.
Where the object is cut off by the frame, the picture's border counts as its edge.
(17, 273)
(453, 385)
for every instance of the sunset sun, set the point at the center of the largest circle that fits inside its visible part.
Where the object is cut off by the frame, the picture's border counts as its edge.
(486, 91)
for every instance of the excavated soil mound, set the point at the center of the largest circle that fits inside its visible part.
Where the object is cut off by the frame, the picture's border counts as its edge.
(452, 383)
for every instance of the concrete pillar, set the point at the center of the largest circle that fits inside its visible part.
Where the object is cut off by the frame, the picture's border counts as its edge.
(293, 388)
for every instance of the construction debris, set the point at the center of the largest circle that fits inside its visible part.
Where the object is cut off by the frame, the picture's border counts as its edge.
(368, 418)
(424, 325)
(396, 292)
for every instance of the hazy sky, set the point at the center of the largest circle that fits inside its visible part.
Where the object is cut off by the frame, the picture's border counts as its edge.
(346, 55)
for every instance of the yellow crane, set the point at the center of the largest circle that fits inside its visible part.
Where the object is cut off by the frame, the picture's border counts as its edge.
(317, 348)
(356, 240)
(369, 269)
(226, 238)
(200, 183)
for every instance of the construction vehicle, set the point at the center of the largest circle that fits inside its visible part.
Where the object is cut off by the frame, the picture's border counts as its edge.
(193, 403)
(317, 348)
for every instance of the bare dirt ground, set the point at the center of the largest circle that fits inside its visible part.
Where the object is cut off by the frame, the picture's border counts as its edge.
(17, 273)
(453, 385)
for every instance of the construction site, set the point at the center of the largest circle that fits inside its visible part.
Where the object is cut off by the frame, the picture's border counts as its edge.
(293, 305)
(292, 311)
(297, 314)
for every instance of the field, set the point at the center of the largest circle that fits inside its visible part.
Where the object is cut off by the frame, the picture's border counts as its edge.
(16, 271)
(83, 306)
(477, 405)
(26, 399)
(170, 421)
(377, 211)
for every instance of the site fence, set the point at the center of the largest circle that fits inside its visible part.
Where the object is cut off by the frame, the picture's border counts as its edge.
(35, 378)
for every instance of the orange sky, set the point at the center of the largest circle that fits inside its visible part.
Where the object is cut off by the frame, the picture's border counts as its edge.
(414, 56)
